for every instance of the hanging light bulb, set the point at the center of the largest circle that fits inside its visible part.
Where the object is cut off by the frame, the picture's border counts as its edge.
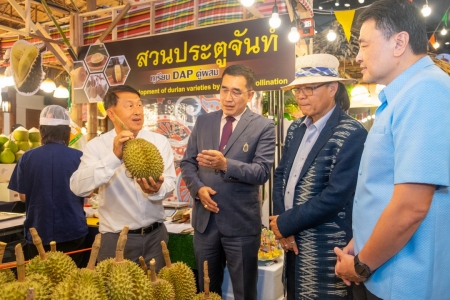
(443, 31)
(336, 3)
(347, 4)
(436, 45)
(294, 36)
(247, 3)
(361, 1)
(331, 36)
(48, 85)
(320, 7)
(275, 20)
(61, 92)
(426, 10)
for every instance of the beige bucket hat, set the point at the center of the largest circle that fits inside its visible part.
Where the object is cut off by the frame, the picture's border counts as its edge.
(316, 68)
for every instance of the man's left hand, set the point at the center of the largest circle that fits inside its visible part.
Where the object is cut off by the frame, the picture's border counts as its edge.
(149, 186)
(212, 159)
(345, 267)
(274, 226)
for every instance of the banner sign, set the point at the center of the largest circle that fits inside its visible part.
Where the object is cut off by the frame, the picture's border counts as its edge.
(187, 62)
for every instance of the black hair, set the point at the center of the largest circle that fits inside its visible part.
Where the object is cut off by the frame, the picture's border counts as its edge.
(242, 70)
(394, 16)
(341, 97)
(15, 126)
(110, 98)
(55, 134)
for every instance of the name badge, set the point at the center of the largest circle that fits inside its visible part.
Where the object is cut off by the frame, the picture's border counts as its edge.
(245, 148)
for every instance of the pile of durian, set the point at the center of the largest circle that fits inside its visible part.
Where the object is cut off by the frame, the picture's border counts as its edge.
(53, 275)
(21, 140)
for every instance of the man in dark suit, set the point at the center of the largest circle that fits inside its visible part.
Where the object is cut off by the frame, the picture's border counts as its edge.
(229, 155)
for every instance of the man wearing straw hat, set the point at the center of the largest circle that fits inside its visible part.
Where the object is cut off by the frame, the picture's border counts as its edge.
(315, 181)
(401, 222)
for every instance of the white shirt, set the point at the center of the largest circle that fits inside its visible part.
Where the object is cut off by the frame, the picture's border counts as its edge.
(122, 202)
(313, 131)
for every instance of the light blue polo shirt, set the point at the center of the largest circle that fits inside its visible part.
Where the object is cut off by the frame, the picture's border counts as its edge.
(409, 143)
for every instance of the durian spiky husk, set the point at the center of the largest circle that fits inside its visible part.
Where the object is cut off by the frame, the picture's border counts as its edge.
(18, 290)
(212, 296)
(26, 64)
(182, 278)
(83, 284)
(6, 276)
(143, 159)
(56, 267)
(162, 289)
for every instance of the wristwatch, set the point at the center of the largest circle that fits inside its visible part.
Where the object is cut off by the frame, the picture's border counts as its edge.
(362, 269)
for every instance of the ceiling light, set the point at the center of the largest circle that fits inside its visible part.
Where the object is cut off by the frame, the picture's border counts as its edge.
(294, 36)
(447, 43)
(426, 10)
(443, 31)
(48, 85)
(347, 4)
(275, 20)
(436, 45)
(247, 3)
(320, 7)
(61, 92)
(361, 1)
(331, 36)
(336, 3)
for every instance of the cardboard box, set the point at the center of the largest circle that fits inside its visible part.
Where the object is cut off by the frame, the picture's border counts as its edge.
(7, 195)
(6, 172)
(269, 286)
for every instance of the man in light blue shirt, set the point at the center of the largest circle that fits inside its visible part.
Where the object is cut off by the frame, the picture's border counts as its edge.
(401, 222)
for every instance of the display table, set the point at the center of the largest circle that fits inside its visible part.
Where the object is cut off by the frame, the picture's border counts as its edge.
(12, 226)
(269, 287)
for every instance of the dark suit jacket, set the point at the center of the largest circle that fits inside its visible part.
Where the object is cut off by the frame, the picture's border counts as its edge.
(249, 153)
(333, 163)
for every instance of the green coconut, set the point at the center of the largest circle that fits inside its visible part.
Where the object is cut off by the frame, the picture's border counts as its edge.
(23, 145)
(20, 134)
(34, 135)
(34, 145)
(7, 156)
(3, 139)
(11, 145)
(19, 155)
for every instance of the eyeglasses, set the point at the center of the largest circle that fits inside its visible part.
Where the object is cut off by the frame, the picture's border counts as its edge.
(307, 90)
(235, 94)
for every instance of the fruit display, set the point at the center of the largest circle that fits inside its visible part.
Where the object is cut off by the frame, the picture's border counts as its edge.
(269, 248)
(179, 275)
(54, 264)
(85, 283)
(20, 140)
(207, 294)
(5, 275)
(162, 289)
(124, 279)
(141, 157)
(26, 63)
(18, 290)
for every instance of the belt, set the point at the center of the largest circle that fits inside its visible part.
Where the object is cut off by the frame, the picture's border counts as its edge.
(145, 230)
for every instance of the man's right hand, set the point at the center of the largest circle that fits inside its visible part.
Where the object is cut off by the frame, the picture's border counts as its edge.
(119, 140)
(204, 195)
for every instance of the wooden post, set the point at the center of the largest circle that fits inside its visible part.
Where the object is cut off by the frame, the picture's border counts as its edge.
(91, 5)
(76, 39)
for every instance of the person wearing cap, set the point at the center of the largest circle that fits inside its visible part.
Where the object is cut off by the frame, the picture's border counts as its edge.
(401, 223)
(124, 200)
(41, 176)
(315, 180)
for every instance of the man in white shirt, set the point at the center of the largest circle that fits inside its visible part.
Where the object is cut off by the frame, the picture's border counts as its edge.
(124, 200)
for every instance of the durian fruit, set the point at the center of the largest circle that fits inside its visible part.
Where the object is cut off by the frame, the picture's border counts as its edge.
(123, 279)
(7, 156)
(18, 155)
(141, 157)
(84, 284)
(54, 264)
(179, 275)
(10, 144)
(117, 74)
(18, 290)
(34, 135)
(207, 294)
(6, 275)
(162, 289)
(20, 134)
(26, 63)
(97, 58)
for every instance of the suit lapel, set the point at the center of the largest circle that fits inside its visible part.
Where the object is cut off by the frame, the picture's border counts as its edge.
(215, 132)
(240, 127)
(323, 138)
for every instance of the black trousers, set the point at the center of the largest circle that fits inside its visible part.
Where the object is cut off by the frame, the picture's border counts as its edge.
(77, 244)
(360, 292)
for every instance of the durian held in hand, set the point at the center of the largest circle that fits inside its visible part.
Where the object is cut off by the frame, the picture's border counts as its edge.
(26, 63)
(141, 158)
(207, 294)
